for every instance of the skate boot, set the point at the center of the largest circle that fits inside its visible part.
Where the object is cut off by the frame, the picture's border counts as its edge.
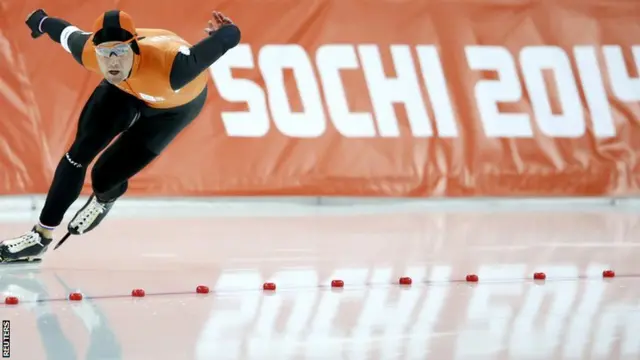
(26, 248)
(89, 216)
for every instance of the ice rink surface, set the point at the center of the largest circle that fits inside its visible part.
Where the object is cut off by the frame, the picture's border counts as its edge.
(169, 248)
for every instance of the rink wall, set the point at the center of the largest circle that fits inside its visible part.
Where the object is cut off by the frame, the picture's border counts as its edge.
(27, 208)
(338, 99)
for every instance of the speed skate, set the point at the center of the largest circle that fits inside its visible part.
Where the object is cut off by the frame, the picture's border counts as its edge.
(26, 248)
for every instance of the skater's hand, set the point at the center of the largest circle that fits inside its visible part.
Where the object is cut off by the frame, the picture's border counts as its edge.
(34, 20)
(218, 21)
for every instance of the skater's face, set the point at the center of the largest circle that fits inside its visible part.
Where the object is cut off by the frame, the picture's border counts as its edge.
(115, 59)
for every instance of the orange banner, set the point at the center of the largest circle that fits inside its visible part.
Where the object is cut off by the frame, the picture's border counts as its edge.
(379, 98)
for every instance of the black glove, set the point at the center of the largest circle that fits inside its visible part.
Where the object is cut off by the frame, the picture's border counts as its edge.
(33, 22)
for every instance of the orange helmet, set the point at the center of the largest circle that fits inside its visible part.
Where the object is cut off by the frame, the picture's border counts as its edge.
(113, 25)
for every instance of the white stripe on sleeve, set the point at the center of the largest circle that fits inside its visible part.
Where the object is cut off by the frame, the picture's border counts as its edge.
(64, 37)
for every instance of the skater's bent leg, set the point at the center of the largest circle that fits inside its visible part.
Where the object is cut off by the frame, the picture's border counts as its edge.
(107, 113)
(136, 148)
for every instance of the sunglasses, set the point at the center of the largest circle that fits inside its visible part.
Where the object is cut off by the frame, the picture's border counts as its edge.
(116, 49)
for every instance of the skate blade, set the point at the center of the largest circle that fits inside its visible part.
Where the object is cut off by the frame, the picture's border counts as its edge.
(27, 260)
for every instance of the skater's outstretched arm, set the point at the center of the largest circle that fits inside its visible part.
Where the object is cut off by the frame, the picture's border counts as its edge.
(61, 31)
(187, 65)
